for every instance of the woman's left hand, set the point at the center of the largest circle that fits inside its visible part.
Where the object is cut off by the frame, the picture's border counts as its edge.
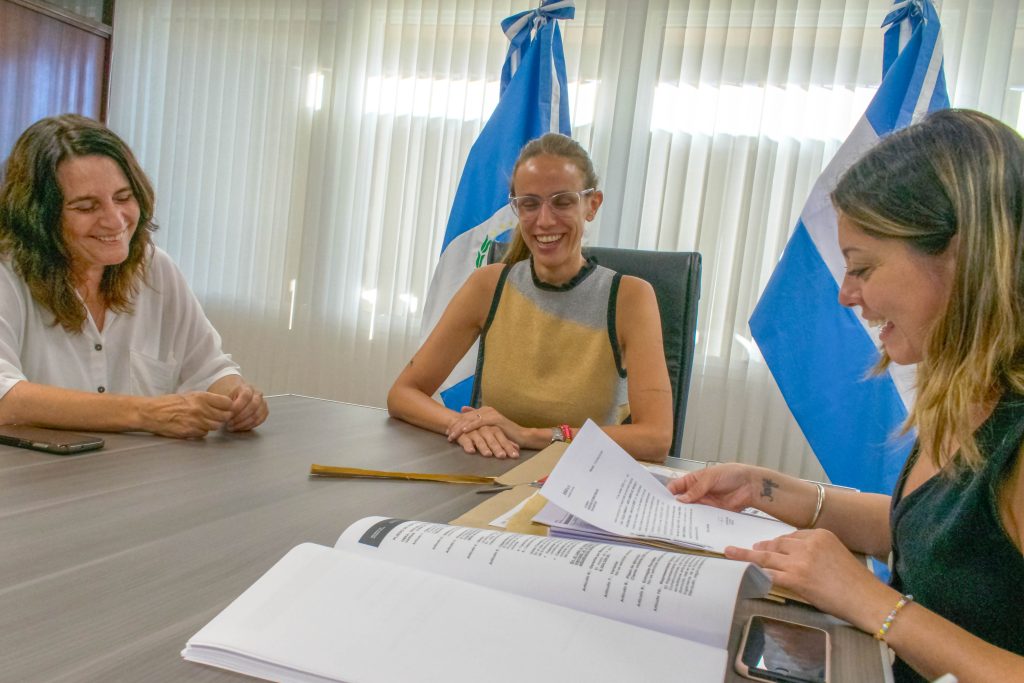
(248, 408)
(814, 564)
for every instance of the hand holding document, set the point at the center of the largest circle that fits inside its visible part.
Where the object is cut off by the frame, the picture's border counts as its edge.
(421, 601)
(600, 484)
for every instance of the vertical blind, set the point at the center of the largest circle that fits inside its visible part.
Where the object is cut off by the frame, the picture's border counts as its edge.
(306, 153)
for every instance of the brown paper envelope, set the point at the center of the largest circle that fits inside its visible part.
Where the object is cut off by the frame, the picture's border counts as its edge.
(536, 467)
(522, 522)
(493, 507)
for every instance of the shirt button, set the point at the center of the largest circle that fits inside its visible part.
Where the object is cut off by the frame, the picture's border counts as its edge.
(101, 389)
(98, 347)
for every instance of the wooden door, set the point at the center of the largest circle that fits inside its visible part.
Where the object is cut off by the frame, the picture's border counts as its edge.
(52, 61)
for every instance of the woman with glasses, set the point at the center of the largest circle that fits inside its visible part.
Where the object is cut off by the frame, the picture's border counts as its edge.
(562, 339)
(98, 328)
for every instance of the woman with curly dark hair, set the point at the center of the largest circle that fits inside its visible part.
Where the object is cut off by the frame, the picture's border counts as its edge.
(98, 329)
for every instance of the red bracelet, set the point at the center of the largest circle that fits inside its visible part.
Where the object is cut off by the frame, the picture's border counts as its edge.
(566, 432)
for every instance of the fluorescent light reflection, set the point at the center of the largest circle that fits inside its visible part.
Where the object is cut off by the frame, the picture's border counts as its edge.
(315, 90)
(460, 100)
(815, 113)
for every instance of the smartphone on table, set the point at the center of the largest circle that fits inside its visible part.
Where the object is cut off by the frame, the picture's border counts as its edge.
(780, 651)
(48, 440)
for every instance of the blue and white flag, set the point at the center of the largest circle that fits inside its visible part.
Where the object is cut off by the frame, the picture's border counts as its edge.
(818, 351)
(533, 101)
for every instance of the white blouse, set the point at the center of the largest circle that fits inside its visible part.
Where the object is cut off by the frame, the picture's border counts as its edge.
(165, 346)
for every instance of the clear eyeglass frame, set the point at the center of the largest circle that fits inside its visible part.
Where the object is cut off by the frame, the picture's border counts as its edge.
(562, 203)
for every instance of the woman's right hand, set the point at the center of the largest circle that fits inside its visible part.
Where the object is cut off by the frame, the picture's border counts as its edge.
(729, 486)
(186, 415)
(489, 441)
(485, 431)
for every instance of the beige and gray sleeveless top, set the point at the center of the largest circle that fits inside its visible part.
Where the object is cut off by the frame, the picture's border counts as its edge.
(549, 354)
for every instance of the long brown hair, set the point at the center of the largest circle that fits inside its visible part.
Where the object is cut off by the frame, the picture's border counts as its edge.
(554, 144)
(956, 173)
(31, 203)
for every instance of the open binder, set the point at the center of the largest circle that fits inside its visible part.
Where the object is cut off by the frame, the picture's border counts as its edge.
(416, 601)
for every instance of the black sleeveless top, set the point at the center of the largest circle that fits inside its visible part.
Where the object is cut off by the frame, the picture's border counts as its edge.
(950, 549)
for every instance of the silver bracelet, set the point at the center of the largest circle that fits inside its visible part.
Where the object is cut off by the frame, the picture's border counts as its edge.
(818, 505)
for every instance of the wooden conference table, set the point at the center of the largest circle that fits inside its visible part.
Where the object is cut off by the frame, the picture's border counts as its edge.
(111, 560)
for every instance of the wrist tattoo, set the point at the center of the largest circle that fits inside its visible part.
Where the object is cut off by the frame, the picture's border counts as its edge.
(767, 485)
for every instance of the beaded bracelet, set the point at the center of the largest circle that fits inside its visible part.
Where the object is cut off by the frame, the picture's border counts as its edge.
(566, 432)
(818, 506)
(883, 631)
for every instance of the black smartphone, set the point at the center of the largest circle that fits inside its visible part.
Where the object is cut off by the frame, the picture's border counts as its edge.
(783, 652)
(48, 440)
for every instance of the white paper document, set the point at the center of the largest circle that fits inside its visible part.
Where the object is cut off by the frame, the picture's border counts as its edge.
(602, 485)
(681, 595)
(502, 520)
(400, 600)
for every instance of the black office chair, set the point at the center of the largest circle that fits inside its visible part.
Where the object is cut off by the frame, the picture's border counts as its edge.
(675, 276)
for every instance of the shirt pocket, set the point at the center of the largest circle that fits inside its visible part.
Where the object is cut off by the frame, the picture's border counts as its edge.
(152, 377)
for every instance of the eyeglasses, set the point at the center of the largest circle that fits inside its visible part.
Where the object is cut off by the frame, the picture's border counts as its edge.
(562, 203)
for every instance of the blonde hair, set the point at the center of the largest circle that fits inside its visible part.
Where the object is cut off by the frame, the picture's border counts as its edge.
(553, 144)
(957, 173)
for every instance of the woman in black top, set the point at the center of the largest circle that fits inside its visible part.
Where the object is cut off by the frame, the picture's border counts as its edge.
(930, 224)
